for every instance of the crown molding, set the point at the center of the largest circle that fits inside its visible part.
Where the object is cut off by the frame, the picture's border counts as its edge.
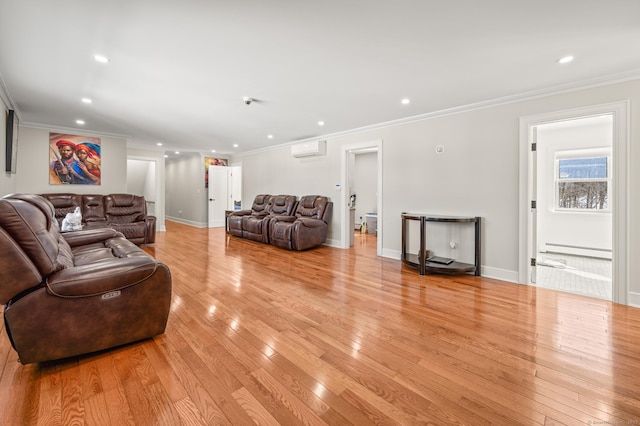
(525, 96)
(71, 130)
(5, 97)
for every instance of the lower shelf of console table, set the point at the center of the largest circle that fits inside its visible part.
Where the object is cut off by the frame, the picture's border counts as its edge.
(420, 262)
(413, 261)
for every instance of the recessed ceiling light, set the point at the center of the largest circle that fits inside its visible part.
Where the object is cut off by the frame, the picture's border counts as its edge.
(102, 59)
(405, 101)
(565, 59)
(320, 123)
(86, 100)
(213, 150)
(270, 136)
(159, 144)
(177, 152)
(81, 122)
(235, 145)
(166, 156)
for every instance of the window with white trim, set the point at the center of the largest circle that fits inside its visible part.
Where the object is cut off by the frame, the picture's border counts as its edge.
(583, 180)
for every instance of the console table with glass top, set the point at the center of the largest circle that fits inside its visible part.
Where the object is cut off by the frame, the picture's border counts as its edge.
(420, 262)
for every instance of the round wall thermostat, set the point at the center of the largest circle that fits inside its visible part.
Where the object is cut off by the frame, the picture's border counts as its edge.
(439, 149)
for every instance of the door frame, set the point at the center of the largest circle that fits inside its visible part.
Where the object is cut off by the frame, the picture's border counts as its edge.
(620, 154)
(214, 182)
(346, 152)
(160, 187)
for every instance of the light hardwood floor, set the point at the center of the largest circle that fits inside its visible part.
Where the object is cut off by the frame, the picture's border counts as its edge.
(262, 335)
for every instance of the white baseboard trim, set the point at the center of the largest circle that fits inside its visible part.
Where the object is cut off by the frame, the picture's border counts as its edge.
(187, 222)
(633, 299)
(485, 271)
(332, 243)
(391, 254)
(499, 274)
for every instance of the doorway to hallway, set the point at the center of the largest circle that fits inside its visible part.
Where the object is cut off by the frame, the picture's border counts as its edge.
(349, 153)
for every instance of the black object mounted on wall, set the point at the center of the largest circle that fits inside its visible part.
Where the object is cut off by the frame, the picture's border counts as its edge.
(11, 142)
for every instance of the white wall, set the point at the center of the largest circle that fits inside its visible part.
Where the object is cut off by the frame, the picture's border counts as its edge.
(275, 171)
(137, 173)
(476, 175)
(33, 165)
(186, 196)
(578, 229)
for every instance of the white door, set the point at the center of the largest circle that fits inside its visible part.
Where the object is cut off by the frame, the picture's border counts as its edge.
(218, 195)
(235, 188)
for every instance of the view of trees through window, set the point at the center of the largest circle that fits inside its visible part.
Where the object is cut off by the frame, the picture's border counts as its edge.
(583, 183)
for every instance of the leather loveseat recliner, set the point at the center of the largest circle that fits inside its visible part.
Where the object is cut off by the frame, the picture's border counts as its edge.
(258, 209)
(307, 228)
(126, 213)
(284, 222)
(256, 227)
(73, 293)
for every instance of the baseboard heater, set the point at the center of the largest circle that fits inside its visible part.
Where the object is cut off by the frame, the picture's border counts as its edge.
(578, 247)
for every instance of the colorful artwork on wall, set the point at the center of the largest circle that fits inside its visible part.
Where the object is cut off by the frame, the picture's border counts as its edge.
(211, 161)
(74, 160)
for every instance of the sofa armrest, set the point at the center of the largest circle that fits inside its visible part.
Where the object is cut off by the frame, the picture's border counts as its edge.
(150, 233)
(277, 218)
(90, 236)
(260, 215)
(240, 213)
(101, 277)
(312, 223)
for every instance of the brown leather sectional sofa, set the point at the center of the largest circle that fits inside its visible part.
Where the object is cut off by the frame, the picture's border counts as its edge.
(284, 221)
(72, 293)
(126, 213)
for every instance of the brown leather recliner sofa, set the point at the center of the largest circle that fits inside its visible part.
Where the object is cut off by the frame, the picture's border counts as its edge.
(283, 221)
(254, 224)
(258, 209)
(73, 293)
(306, 228)
(126, 213)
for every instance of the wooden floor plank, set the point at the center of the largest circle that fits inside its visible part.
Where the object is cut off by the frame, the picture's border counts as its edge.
(260, 335)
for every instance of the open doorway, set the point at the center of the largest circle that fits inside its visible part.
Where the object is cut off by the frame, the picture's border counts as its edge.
(616, 197)
(574, 210)
(145, 176)
(362, 172)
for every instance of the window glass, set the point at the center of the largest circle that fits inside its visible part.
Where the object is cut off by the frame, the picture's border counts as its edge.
(583, 168)
(583, 183)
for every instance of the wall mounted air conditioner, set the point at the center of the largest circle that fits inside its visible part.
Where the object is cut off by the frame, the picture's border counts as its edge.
(309, 149)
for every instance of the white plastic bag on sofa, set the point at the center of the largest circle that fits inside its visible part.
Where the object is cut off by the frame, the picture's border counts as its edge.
(72, 221)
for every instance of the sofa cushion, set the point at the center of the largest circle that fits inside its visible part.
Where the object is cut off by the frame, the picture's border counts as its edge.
(130, 230)
(93, 209)
(124, 208)
(282, 204)
(64, 203)
(312, 206)
(35, 231)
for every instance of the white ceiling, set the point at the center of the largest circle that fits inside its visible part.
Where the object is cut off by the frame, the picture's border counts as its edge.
(179, 69)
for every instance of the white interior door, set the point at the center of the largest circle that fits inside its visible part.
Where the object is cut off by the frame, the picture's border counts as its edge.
(218, 195)
(235, 188)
